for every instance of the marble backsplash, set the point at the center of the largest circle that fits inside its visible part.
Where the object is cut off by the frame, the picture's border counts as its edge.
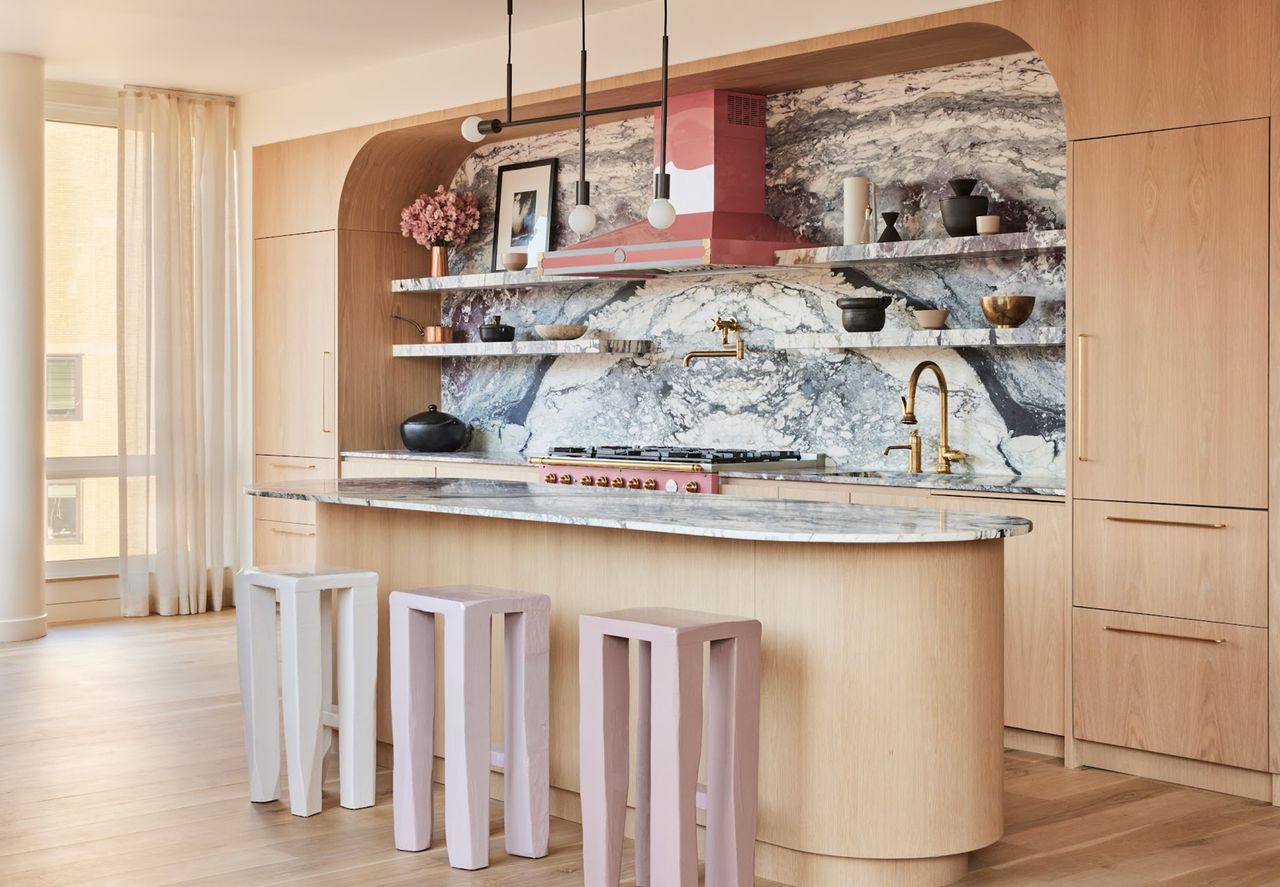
(997, 120)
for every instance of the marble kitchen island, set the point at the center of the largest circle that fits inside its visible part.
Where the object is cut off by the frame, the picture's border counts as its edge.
(881, 717)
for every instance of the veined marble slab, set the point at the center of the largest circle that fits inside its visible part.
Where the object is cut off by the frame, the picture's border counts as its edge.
(586, 344)
(1036, 336)
(925, 480)
(475, 458)
(982, 246)
(722, 517)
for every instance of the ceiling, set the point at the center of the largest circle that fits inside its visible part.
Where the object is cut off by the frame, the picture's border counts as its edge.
(239, 46)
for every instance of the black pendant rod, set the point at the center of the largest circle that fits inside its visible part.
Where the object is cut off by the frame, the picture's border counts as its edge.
(510, 14)
(662, 182)
(584, 188)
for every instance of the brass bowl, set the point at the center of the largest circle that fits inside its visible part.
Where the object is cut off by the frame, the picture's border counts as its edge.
(1007, 312)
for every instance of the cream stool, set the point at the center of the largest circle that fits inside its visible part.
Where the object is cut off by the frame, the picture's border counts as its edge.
(310, 716)
(467, 612)
(668, 746)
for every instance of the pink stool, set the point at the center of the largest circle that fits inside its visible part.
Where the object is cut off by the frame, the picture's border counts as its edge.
(669, 746)
(467, 612)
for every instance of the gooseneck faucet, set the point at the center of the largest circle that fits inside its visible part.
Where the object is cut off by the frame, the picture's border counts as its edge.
(946, 455)
(723, 327)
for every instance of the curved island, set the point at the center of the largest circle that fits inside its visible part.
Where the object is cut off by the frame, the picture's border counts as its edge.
(882, 672)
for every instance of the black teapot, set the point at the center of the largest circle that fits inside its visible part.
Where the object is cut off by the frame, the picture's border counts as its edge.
(433, 432)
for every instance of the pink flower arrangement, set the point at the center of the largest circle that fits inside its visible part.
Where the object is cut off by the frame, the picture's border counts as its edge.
(445, 218)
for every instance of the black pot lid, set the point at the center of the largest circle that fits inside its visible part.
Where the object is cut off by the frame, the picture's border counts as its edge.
(432, 416)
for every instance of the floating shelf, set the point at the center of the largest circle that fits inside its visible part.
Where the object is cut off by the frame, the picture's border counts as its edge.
(530, 348)
(1025, 337)
(492, 280)
(982, 246)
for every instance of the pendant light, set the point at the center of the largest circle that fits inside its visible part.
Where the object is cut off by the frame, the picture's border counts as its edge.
(583, 218)
(662, 214)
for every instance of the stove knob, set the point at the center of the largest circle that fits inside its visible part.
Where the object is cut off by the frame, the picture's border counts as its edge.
(550, 478)
(633, 484)
(619, 483)
(602, 481)
(651, 484)
(672, 487)
(566, 478)
(691, 487)
(586, 480)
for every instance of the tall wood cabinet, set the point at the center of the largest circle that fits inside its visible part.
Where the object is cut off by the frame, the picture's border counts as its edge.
(1169, 311)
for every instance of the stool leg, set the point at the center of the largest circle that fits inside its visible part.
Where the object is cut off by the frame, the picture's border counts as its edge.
(677, 745)
(413, 716)
(466, 741)
(303, 739)
(328, 664)
(604, 705)
(526, 780)
(357, 695)
(733, 749)
(259, 692)
(644, 741)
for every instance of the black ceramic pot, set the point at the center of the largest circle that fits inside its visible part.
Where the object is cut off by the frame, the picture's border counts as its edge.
(862, 314)
(960, 212)
(494, 330)
(433, 432)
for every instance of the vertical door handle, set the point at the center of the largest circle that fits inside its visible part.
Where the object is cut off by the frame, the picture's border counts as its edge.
(326, 376)
(1080, 379)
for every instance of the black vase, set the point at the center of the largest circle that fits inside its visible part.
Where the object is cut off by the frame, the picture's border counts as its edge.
(862, 314)
(432, 431)
(960, 212)
(889, 234)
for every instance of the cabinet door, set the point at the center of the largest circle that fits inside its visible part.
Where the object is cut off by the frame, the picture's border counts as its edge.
(1169, 308)
(294, 331)
(279, 544)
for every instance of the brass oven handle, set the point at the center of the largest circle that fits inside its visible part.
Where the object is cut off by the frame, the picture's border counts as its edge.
(308, 467)
(1165, 634)
(1165, 523)
(293, 532)
(1080, 455)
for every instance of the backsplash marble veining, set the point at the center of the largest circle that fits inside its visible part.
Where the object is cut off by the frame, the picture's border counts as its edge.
(998, 120)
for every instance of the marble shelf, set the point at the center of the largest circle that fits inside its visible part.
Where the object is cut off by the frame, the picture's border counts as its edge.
(982, 246)
(525, 348)
(1025, 337)
(492, 280)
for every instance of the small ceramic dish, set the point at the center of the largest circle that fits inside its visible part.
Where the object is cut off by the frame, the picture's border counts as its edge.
(932, 318)
(559, 332)
(1007, 312)
(515, 261)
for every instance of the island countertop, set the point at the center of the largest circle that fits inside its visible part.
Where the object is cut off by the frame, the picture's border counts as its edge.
(710, 516)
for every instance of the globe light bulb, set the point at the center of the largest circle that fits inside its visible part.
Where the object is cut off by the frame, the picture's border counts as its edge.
(471, 129)
(662, 214)
(583, 219)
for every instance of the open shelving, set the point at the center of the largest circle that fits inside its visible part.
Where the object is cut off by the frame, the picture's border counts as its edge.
(525, 348)
(1021, 337)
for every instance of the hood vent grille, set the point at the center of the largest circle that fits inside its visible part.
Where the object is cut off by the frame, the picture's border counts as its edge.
(747, 110)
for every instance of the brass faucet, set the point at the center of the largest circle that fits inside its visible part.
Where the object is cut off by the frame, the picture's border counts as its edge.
(723, 327)
(912, 446)
(946, 455)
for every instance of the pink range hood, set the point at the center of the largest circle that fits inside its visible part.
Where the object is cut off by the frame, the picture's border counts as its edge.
(715, 156)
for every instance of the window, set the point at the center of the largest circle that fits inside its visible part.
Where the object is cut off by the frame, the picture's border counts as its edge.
(65, 512)
(63, 385)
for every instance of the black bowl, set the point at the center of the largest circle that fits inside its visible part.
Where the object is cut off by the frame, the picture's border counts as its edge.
(863, 314)
(497, 332)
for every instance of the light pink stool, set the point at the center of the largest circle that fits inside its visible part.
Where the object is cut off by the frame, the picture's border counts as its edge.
(669, 746)
(307, 597)
(467, 612)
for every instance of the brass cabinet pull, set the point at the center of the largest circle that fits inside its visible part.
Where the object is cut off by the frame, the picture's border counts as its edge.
(1165, 523)
(1080, 454)
(286, 532)
(308, 467)
(1165, 634)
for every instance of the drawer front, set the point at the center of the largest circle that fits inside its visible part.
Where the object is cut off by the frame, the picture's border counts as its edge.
(526, 473)
(274, 469)
(387, 468)
(1174, 686)
(276, 543)
(1172, 560)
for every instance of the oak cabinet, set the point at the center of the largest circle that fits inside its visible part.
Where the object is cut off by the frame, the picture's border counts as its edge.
(294, 324)
(1169, 305)
(276, 543)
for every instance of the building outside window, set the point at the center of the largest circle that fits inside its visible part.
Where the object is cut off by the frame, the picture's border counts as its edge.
(64, 383)
(65, 514)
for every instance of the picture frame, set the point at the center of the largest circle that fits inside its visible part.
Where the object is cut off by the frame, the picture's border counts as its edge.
(524, 208)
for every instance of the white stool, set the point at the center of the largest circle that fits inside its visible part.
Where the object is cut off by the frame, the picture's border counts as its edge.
(668, 745)
(467, 611)
(310, 717)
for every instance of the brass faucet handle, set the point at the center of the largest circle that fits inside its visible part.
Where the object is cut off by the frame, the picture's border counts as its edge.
(954, 455)
(912, 446)
(723, 326)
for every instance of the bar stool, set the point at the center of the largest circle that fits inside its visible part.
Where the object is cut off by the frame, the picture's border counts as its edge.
(310, 716)
(668, 745)
(467, 612)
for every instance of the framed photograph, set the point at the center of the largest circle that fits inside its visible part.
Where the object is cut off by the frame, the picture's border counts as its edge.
(523, 209)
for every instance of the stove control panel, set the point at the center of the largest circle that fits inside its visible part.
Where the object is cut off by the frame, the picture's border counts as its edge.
(634, 479)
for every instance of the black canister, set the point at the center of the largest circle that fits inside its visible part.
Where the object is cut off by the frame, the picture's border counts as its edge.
(863, 314)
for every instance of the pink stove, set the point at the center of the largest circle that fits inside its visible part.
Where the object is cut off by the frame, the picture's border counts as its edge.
(664, 469)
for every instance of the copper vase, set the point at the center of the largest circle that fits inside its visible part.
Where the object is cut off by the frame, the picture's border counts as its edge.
(439, 261)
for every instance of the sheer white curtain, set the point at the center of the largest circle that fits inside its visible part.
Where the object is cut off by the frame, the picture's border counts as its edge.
(177, 347)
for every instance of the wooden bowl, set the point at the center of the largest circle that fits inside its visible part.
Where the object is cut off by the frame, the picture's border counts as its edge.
(515, 261)
(932, 318)
(560, 332)
(1007, 312)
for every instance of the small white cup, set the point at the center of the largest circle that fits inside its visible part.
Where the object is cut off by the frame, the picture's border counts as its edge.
(988, 224)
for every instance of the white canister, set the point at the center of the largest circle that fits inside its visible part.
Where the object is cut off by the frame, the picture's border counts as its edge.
(988, 224)
(859, 210)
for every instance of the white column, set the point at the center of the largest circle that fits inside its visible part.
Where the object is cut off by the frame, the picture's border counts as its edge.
(22, 415)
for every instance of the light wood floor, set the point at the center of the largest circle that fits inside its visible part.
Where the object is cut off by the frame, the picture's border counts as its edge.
(121, 763)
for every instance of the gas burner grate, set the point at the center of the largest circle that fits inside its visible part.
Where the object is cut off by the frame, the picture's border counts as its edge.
(683, 455)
